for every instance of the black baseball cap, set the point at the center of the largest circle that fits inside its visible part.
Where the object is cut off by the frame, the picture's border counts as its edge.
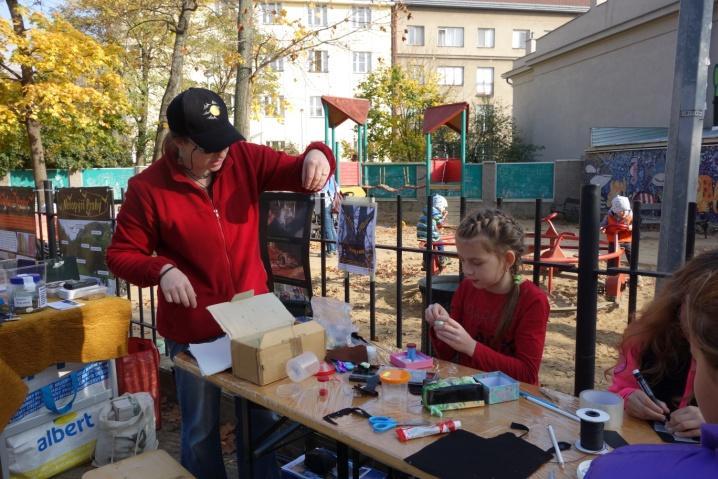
(201, 115)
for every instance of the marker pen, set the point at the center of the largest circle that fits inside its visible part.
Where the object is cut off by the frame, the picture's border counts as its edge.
(646, 388)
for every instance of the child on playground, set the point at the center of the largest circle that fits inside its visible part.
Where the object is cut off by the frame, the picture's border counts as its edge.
(699, 324)
(620, 217)
(439, 212)
(657, 345)
(497, 321)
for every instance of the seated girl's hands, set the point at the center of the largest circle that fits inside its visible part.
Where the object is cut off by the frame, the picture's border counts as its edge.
(686, 422)
(435, 312)
(454, 334)
(640, 406)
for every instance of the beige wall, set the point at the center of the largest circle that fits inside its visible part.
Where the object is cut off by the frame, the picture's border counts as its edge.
(601, 71)
(470, 56)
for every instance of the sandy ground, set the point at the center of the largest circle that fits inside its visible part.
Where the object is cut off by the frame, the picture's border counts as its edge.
(557, 369)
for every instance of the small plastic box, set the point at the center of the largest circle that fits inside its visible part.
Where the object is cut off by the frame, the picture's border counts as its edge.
(498, 387)
(422, 361)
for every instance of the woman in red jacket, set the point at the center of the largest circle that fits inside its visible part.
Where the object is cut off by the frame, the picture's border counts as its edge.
(497, 321)
(189, 223)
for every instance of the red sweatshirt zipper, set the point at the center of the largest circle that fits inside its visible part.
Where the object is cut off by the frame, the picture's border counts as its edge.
(221, 233)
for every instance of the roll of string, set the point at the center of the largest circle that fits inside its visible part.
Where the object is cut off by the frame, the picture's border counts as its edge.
(592, 424)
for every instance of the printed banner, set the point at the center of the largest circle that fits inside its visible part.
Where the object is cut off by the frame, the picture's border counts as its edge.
(17, 221)
(85, 229)
(357, 236)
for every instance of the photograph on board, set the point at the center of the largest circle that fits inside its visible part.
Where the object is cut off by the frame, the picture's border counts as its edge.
(287, 218)
(285, 259)
(357, 236)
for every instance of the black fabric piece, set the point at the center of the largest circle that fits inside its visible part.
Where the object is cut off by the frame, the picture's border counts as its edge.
(520, 427)
(457, 393)
(462, 454)
(614, 439)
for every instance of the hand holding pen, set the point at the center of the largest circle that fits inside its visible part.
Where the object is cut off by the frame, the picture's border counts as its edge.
(643, 404)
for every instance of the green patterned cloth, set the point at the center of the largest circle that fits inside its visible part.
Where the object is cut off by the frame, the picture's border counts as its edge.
(448, 384)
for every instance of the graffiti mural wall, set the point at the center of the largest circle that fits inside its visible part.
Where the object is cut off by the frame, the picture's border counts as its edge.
(641, 173)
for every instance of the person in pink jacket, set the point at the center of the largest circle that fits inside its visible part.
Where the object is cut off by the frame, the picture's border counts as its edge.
(657, 345)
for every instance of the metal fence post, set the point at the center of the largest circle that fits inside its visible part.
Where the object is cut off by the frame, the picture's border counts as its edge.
(633, 263)
(399, 273)
(537, 243)
(50, 217)
(587, 289)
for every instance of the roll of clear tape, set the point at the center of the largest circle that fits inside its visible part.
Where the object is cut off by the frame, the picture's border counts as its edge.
(605, 401)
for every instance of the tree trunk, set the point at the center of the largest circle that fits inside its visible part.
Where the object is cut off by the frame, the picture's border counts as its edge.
(243, 85)
(142, 133)
(32, 126)
(173, 84)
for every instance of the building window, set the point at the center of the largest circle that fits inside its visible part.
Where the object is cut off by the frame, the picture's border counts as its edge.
(417, 72)
(277, 65)
(273, 106)
(315, 106)
(361, 17)
(415, 35)
(270, 12)
(486, 37)
(519, 38)
(362, 62)
(451, 37)
(484, 81)
(450, 75)
(279, 145)
(318, 61)
(317, 16)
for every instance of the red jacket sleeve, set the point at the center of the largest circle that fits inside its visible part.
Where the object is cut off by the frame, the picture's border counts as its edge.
(529, 339)
(623, 383)
(278, 171)
(441, 349)
(129, 256)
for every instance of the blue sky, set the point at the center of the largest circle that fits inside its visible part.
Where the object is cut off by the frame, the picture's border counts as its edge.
(43, 5)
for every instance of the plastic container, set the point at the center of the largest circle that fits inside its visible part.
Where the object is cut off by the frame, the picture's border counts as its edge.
(395, 387)
(301, 367)
(27, 293)
(605, 401)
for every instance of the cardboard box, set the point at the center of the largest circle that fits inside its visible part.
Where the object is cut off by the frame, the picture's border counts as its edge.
(263, 336)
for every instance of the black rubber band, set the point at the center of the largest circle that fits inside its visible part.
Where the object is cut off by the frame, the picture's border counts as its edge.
(165, 272)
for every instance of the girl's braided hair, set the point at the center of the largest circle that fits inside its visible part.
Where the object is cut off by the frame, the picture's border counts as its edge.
(500, 233)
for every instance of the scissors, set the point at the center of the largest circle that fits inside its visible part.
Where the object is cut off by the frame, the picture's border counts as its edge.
(384, 423)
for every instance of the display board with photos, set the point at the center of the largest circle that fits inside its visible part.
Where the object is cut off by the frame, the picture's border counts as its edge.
(18, 227)
(85, 217)
(285, 227)
(357, 236)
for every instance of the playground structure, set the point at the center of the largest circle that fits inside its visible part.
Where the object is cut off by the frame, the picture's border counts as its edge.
(556, 253)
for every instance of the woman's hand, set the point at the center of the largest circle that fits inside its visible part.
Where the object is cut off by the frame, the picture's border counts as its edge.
(640, 406)
(454, 334)
(315, 170)
(177, 288)
(686, 422)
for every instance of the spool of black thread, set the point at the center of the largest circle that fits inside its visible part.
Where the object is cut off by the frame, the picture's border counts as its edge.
(592, 423)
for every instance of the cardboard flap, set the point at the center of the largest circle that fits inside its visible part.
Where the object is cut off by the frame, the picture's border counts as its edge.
(250, 318)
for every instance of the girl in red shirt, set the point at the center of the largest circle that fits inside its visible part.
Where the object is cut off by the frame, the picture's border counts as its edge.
(497, 321)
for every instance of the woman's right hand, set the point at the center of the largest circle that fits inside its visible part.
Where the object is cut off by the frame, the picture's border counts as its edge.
(640, 406)
(435, 312)
(177, 288)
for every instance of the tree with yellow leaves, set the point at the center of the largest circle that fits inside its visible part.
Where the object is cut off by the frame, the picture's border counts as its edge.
(50, 73)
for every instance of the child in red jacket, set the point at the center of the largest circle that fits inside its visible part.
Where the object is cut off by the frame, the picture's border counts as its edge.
(497, 322)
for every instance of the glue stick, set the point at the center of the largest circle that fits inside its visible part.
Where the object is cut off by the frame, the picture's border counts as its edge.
(406, 433)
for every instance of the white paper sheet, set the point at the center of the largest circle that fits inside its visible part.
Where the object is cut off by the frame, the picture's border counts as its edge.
(212, 357)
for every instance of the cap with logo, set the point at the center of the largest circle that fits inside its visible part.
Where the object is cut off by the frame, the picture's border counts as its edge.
(201, 115)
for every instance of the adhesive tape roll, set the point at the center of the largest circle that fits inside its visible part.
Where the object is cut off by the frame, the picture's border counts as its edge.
(607, 402)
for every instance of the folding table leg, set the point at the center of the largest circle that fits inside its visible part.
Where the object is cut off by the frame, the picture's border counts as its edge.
(246, 464)
(342, 461)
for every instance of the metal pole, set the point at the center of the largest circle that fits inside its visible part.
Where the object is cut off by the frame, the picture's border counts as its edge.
(685, 129)
(463, 148)
(326, 124)
(537, 243)
(50, 216)
(399, 273)
(587, 289)
(691, 230)
(322, 242)
(428, 164)
(428, 263)
(635, 248)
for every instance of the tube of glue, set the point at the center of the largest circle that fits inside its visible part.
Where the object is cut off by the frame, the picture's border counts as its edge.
(407, 433)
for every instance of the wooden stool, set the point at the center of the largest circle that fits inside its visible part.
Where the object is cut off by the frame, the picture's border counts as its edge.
(148, 465)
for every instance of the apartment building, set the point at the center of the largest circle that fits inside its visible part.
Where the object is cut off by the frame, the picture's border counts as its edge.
(471, 44)
(357, 38)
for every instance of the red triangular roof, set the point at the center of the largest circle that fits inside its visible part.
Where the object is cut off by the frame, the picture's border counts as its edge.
(356, 109)
(449, 115)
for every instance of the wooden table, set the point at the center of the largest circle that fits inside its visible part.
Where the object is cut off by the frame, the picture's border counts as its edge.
(487, 421)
